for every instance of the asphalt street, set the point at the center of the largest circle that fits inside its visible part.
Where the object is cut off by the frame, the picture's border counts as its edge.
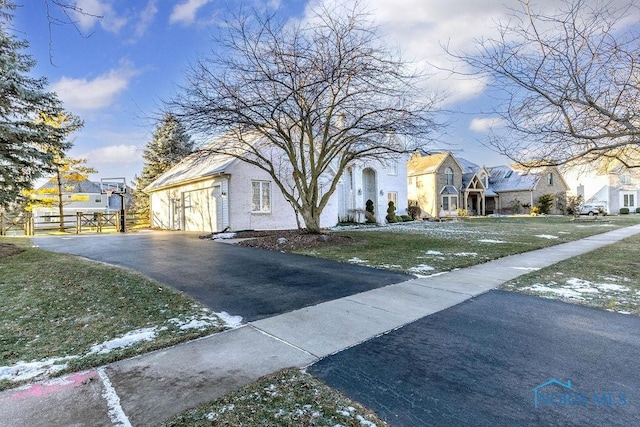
(499, 359)
(248, 282)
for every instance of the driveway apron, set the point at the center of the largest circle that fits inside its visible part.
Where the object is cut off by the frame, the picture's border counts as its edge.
(248, 282)
(499, 359)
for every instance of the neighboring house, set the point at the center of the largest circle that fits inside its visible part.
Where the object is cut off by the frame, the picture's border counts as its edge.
(213, 192)
(610, 186)
(84, 196)
(440, 184)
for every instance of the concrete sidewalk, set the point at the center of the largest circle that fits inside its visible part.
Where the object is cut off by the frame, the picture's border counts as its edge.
(148, 389)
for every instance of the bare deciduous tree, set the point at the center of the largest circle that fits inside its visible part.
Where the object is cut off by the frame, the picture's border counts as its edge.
(571, 81)
(320, 93)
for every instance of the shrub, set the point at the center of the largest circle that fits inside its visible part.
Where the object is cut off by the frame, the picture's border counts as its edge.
(624, 211)
(414, 211)
(391, 212)
(406, 218)
(637, 210)
(545, 202)
(369, 214)
(462, 212)
(535, 211)
(399, 218)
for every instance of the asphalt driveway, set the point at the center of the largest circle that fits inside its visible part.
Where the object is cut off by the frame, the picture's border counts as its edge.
(500, 359)
(249, 282)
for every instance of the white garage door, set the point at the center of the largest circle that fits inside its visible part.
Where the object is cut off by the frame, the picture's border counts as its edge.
(200, 210)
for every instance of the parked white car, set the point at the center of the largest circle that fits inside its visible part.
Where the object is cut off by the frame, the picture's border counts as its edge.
(592, 210)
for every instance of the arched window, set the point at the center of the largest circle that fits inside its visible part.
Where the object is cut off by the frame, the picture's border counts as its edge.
(448, 173)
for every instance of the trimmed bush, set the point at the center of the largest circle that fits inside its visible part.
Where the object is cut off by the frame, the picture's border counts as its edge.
(406, 218)
(391, 212)
(369, 214)
(624, 211)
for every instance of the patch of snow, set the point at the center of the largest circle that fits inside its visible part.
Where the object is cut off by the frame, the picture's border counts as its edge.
(390, 266)
(526, 268)
(130, 338)
(221, 236)
(546, 236)
(466, 254)
(28, 370)
(230, 320)
(431, 252)
(357, 260)
(364, 421)
(195, 323)
(612, 287)
(421, 268)
(491, 241)
(563, 292)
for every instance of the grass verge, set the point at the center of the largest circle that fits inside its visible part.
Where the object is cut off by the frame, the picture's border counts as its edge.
(60, 313)
(607, 278)
(289, 398)
(424, 248)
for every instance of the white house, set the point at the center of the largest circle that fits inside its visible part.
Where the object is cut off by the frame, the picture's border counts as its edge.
(84, 196)
(611, 186)
(212, 192)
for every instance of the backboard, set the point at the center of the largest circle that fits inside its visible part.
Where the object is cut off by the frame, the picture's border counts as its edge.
(113, 185)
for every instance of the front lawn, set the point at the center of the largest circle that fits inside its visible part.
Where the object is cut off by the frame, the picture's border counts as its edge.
(424, 248)
(289, 398)
(60, 313)
(607, 278)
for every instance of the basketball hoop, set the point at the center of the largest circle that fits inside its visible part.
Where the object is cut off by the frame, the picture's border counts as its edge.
(109, 192)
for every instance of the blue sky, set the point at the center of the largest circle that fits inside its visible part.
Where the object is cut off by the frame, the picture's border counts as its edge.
(116, 71)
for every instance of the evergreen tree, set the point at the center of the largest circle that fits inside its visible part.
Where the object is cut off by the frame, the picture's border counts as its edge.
(28, 146)
(170, 144)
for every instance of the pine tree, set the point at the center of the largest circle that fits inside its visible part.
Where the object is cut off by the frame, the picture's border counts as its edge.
(28, 146)
(170, 144)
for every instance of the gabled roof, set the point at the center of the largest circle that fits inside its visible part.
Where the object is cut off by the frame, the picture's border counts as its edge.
(200, 164)
(419, 165)
(84, 186)
(507, 178)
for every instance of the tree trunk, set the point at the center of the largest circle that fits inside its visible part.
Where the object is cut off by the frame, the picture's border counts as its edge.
(60, 201)
(311, 220)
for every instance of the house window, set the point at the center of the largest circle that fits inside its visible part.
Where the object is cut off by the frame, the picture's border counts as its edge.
(625, 179)
(449, 203)
(550, 178)
(393, 168)
(392, 196)
(260, 196)
(629, 200)
(448, 174)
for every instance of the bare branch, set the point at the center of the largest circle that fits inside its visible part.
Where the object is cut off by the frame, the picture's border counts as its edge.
(570, 82)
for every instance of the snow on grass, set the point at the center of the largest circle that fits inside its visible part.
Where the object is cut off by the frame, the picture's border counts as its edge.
(432, 252)
(128, 339)
(471, 254)
(546, 236)
(421, 268)
(491, 241)
(357, 260)
(577, 289)
(23, 371)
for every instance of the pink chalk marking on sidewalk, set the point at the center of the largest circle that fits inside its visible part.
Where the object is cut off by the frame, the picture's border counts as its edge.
(54, 386)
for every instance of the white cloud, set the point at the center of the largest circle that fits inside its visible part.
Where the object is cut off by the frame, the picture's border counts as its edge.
(100, 92)
(91, 12)
(113, 155)
(483, 125)
(146, 18)
(185, 13)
